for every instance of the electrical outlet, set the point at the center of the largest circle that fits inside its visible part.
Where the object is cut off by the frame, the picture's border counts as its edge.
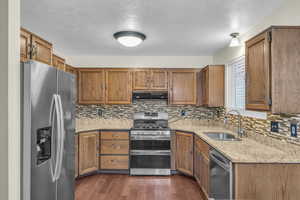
(99, 112)
(294, 130)
(183, 113)
(274, 126)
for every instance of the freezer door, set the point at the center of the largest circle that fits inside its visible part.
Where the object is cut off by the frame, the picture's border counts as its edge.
(39, 139)
(66, 90)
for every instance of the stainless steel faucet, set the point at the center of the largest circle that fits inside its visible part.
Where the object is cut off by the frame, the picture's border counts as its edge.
(240, 131)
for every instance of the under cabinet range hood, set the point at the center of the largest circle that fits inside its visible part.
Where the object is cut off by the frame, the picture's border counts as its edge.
(151, 95)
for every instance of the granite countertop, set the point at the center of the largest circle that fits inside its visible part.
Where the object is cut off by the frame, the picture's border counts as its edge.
(247, 150)
(260, 149)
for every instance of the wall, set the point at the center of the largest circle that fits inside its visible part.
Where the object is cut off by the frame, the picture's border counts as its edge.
(140, 61)
(127, 111)
(10, 100)
(288, 14)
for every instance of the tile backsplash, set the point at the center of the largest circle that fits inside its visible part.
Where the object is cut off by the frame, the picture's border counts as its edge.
(126, 111)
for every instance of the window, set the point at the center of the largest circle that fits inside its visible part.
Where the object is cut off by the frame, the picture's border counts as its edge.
(238, 69)
(236, 88)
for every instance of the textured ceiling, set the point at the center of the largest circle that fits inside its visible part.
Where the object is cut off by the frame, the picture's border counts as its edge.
(173, 27)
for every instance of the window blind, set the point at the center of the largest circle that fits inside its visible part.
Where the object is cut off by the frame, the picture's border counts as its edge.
(238, 67)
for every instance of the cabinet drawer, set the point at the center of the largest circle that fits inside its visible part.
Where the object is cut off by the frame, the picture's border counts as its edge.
(114, 135)
(202, 147)
(114, 162)
(114, 146)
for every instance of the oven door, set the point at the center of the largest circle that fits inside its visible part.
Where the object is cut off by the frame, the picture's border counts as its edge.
(151, 145)
(150, 162)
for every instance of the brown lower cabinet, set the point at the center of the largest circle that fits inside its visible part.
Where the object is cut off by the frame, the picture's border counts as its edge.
(88, 152)
(201, 164)
(184, 152)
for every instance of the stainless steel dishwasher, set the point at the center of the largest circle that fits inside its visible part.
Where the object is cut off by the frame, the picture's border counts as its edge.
(220, 177)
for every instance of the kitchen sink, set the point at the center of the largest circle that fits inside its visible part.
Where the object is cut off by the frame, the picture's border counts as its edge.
(222, 136)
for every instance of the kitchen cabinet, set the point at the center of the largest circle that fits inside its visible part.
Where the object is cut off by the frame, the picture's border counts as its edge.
(76, 155)
(58, 62)
(211, 90)
(184, 152)
(272, 70)
(150, 79)
(41, 50)
(88, 152)
(266, 181)
(118, 86)
(201, 164)
(70, 69)
(114, 150)
(91, 86)
(182, 87)
(25, 43)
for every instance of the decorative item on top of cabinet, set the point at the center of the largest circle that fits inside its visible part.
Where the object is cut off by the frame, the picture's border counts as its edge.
(183, 87)
(272, 70)
(58, 62)
(150, 79)
(25, 42)
(88, 152)
(91, 86)
(184, 152)
(211, 86)
(118, 86)
(41, 50)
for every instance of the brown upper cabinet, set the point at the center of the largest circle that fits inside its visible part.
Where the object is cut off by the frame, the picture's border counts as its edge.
(58, 62)
(272, 70)
(118, 86)
(150, 79)
(70, 69)
(91, 85)
(41, 50)
(183, 87)
(211, 90)
(25, 42)
(34, 47)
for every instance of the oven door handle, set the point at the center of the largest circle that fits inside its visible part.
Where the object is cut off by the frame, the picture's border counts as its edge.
(218, 161)
(150, 152)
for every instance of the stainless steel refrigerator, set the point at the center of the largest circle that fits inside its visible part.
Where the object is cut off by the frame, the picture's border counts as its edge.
(48, 132)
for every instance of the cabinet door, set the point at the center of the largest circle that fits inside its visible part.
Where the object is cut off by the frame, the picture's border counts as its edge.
(58, 62)
(258, 73)
(88, 152)
(42, 50)
(76, 155)
(184, 153)
(118, 86)
(25, 43)
(205, 86)
(183, 87)
(141, 79)
(204, 174)
(159, 80)
(91, 84)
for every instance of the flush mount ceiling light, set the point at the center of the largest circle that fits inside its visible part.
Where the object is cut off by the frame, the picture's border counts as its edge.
(235, 41)
(130, 38)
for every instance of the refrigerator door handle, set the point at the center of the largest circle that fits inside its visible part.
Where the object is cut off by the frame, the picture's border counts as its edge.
(62, 136)
(55, 108)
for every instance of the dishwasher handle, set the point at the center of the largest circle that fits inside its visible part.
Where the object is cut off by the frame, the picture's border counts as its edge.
(220, 160)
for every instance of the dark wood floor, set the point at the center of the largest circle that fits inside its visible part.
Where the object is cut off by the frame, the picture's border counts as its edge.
(124, 187)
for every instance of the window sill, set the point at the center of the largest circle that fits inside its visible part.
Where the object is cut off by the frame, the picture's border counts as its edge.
(249, 113)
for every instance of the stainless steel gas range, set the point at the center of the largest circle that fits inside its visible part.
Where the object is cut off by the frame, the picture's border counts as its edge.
(150, 144)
